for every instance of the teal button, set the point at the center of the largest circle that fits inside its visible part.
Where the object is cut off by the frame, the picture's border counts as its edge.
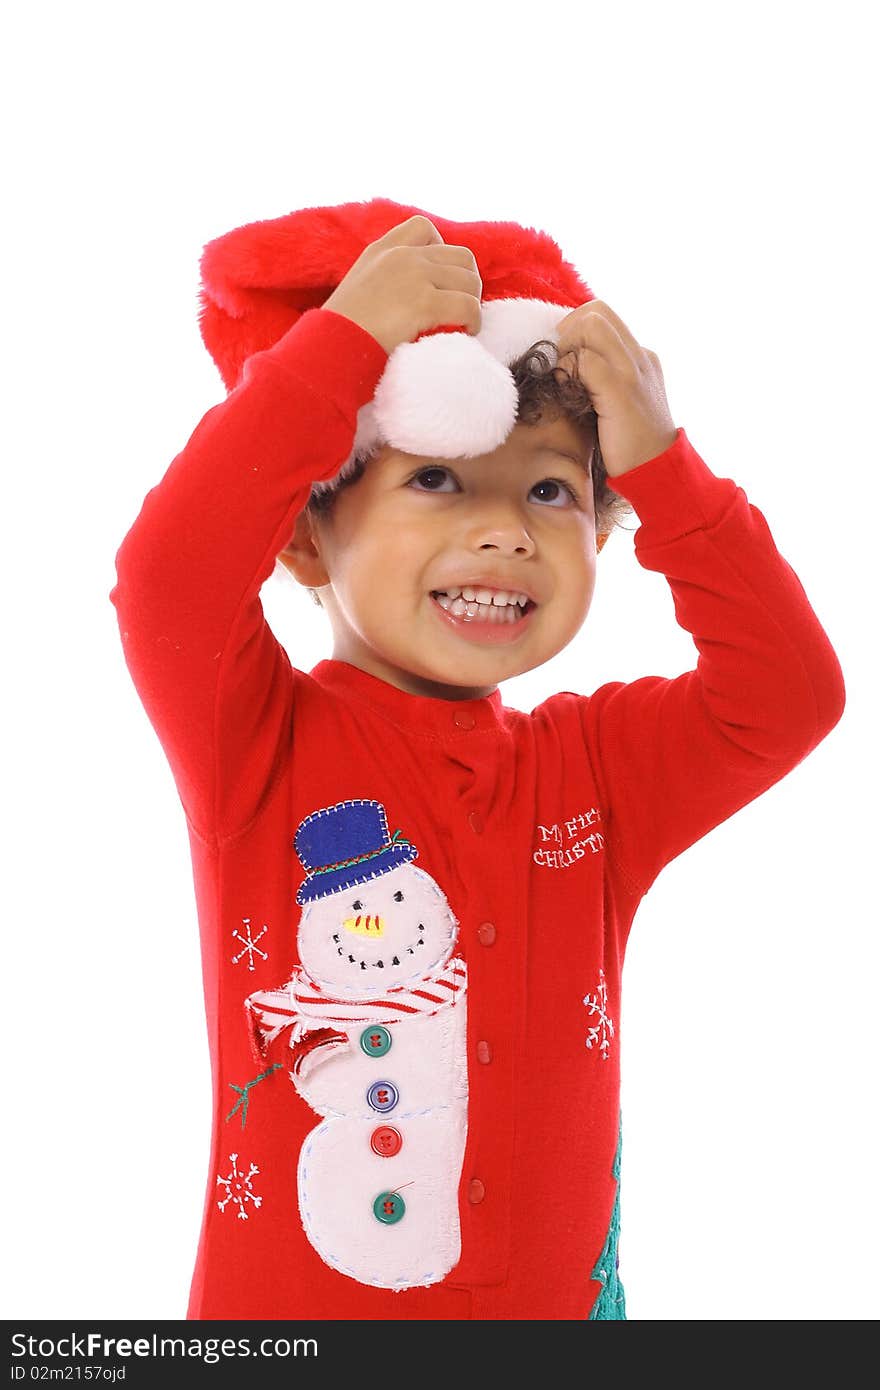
(376, 1041)
(389, 1208)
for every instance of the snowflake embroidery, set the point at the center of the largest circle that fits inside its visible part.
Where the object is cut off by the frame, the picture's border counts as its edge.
(250, 943)
(238, 1188)
(602, 1031)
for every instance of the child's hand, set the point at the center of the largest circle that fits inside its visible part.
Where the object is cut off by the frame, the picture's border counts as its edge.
(408, 281)
(625, 382)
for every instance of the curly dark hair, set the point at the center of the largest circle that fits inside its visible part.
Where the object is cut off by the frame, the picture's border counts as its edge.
(546, 390)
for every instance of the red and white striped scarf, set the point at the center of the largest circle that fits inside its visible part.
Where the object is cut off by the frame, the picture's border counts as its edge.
(313, 1015)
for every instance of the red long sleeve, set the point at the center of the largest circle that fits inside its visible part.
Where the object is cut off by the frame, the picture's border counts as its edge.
(676, 757)
(207, 667)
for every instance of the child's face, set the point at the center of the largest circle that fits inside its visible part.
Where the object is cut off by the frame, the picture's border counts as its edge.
(411, 526)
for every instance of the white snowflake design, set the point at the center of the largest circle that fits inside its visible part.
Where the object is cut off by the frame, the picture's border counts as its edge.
(250, 943)
(238, 1188)
(602, 1031)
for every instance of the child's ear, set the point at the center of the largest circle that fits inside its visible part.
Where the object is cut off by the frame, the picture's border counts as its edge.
(302, 554)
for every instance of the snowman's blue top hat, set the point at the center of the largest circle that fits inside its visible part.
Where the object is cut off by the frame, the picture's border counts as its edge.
(346, 844)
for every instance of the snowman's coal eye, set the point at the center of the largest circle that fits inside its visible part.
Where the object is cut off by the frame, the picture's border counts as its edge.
(398, 896)
(357, 905)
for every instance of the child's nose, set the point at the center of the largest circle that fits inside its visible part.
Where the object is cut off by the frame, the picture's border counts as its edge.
(504, 531)
(372, 926)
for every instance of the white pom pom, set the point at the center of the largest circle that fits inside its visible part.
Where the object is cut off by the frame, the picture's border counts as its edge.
(509, 326)
(445, 396)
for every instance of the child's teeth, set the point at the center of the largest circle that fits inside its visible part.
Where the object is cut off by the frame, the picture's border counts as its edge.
(487, 612)
(496, 597)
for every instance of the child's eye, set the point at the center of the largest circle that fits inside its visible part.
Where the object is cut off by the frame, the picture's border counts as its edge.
(432, 479)
(433, 473)
(563, 494)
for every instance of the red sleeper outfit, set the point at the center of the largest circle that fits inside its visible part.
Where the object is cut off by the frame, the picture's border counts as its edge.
(533, 832)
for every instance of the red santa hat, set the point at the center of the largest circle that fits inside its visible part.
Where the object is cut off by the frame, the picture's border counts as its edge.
(448, 394)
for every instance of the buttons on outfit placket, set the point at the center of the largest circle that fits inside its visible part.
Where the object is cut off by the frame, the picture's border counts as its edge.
(486, 935)
(476, 1191)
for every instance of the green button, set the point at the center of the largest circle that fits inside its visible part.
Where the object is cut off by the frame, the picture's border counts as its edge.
(389, 1208)
(376, 1041)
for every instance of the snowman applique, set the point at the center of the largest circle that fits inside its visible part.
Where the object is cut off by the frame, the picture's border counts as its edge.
(376, 1015)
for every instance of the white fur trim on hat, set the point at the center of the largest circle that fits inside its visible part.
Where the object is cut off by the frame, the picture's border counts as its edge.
(451, 395)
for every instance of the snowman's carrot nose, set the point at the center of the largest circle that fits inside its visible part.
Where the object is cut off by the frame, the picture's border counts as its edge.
(371, 926)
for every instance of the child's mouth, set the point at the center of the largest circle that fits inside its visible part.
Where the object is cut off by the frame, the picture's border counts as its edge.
(483, 622)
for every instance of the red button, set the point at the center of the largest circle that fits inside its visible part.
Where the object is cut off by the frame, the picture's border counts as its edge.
(464, 719)
(484, 1053)
(386, 1141)
(486, 933)
(476, 1191)
(475, 821)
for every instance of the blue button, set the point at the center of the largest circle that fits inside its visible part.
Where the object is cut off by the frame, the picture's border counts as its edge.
(382, 1096)
(376, 1041)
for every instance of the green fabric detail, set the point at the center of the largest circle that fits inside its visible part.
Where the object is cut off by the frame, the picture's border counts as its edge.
(244, 1093)
(611, 1302)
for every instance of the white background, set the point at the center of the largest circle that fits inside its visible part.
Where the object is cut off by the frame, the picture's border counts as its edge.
(711, 174)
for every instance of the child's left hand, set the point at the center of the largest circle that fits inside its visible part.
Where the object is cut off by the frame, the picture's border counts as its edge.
(625, 382)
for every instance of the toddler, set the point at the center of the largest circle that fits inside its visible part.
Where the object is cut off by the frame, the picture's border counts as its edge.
(414, 900)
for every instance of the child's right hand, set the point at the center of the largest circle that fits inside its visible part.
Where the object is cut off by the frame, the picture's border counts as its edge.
(408, 281)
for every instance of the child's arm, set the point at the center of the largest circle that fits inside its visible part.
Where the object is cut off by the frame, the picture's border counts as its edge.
(212, 677)
(675, 757)
(214, 681)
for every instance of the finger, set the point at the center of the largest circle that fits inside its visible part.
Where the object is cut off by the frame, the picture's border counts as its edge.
(599, 335)
(604, 376)
(589, 318)
(444, 254)
(446, 276)
(609, 315)
(459, 308)
(415, 231)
